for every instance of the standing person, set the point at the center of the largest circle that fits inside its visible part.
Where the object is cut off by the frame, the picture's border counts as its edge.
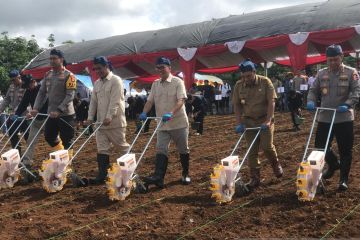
(131, 102)
(198, 104)
(209, 94)
(194, 88)
(32, 90)
(218, 98)
(288, 82)
(277, 83)
(108, 105)
(225, 93)
(82, 111)
(12, 99)
(58, 88)
(254, 103)
(312, 79)
(2, 116)
(295, 102)
(298, 80)
(169, 95)
(338, 85)
(76, 103)
(139, 106)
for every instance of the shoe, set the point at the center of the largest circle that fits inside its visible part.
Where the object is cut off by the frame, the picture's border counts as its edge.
(77, 181)
(254, 179)
(277, 169)
(343, 185)
(185, 180)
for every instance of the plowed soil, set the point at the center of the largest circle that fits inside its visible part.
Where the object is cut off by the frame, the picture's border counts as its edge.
(188, 212)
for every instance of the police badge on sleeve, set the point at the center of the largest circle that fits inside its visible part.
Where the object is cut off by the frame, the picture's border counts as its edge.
(71, 82)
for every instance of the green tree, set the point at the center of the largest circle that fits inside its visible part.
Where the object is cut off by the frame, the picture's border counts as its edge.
(15, 53)
(51, 40)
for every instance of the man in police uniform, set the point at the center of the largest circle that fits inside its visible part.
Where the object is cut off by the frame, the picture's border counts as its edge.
(58, 87)
(254, 103)
(169, 95)
(339, 88)
(12, 99)
(108, 105)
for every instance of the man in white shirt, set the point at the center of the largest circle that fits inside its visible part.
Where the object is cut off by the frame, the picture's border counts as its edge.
(225, 92)
(312, 79)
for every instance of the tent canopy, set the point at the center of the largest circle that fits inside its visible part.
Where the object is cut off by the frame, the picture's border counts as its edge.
(84, 86)
(263, 36)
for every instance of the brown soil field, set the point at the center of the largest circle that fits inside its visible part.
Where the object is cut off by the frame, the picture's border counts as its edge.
(188, 212)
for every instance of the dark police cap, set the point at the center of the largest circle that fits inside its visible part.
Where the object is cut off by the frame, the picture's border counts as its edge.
(333, 50)
(101, 60)
(57, 52)
(163, 61)
(247, 66)
(14, 73)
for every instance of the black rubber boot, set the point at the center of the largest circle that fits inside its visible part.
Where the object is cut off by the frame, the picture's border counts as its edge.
(103, 165)
(343, 184)
(345, 166)
(184, 159)
(160, 170)
(333, 165)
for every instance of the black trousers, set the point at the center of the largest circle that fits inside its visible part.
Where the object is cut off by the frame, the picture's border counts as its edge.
(63, 126)
(209, 105)
(345, 140)
(146, 127)
(19, 129)
(200, 119)
(293, 113)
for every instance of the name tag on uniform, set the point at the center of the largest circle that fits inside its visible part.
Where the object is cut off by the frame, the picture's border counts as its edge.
(280, 90)
(304, 87)
(343, 77)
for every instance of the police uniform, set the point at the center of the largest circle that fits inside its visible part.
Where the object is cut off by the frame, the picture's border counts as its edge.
(12, 99)
(165, 94)
(59, 89)
(335, 89)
